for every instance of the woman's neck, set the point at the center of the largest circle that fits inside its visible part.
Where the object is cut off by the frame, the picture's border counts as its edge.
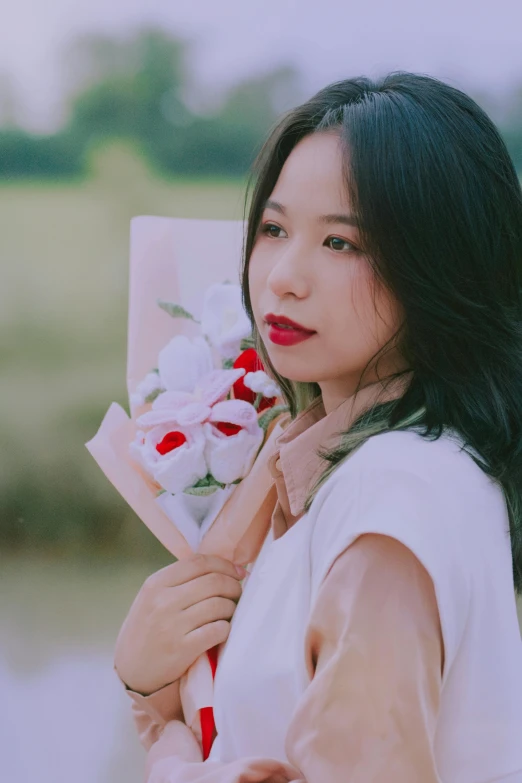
(334, 393)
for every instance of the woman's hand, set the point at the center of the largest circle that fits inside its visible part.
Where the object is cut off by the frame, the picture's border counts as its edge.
(181, 611)
(176, 740)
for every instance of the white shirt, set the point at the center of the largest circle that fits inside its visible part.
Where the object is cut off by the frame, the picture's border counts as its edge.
(437, 502)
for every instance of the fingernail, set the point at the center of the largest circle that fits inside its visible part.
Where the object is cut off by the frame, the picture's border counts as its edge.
(240, 570)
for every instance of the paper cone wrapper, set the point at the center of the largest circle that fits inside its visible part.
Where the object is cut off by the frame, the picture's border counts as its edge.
(196, 689)
(176, 260)
(110, 449)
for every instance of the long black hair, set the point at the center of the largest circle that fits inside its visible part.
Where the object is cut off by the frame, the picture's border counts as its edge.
(440, 207)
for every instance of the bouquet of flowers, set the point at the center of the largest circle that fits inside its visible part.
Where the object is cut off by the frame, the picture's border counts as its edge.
(201, 410)
(211, 405)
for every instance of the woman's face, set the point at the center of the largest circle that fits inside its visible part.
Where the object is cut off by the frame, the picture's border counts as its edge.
(307, 268)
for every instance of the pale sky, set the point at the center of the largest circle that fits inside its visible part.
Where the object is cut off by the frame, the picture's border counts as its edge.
(473, 44)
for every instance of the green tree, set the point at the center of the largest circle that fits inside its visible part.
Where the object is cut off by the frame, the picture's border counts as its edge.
(512, 128)
(135, 89)
(24, 155)
(126, 86)
(227, 141)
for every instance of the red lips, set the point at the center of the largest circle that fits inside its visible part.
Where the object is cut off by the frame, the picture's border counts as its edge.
(284, 331)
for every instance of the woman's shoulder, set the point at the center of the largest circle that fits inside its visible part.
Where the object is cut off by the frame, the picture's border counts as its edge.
(440, 464)
(405, 487)
(414, 450)
(404, 475)
(390, 480)
(428, 494)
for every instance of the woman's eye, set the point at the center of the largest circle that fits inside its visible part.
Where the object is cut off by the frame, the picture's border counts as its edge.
(267, 228)
(271, 229)
(340, 242)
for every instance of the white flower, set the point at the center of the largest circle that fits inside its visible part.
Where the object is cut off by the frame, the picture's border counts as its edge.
(233, 437)
(172, 456)
(151, 383)
(176, 407)
(260, 383)
(183, 362)
(224, 320)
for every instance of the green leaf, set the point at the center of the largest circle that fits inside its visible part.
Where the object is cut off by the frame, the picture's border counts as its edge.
(152, 396)
(201, 491)
(228, 364)
(270, 414)
(208, 481)
(205, 486)
(176, 311)
(246, 343)
(160, 492)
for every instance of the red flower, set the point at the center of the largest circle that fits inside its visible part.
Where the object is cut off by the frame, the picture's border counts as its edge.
(249, 360)
(227, 428)
(171, 441)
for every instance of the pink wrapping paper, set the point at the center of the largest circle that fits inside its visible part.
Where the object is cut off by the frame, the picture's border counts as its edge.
(176, 260)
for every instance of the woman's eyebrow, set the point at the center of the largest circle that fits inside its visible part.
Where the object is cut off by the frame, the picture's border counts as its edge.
(348, 220)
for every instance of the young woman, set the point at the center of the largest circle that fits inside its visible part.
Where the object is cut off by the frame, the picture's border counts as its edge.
(376, 638)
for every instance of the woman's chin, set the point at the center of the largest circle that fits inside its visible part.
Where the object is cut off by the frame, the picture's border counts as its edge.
(291, 372)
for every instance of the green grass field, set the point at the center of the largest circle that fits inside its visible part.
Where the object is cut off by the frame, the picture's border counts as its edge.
(63, 311)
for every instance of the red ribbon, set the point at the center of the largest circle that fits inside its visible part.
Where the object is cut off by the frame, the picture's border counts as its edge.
(208, 726)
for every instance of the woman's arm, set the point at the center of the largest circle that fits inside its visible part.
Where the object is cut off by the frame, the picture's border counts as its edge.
(181, 611)
(151, 713)
(375, 654)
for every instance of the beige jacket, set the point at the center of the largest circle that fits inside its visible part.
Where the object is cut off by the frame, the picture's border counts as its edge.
(400, 673)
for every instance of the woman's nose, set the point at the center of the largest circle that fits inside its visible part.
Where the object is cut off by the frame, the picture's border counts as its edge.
(288, 275)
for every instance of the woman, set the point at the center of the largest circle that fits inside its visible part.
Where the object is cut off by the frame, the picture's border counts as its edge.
(376, 638)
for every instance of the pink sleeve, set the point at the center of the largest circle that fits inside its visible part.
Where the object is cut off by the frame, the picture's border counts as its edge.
(375, 654)
(151, 713)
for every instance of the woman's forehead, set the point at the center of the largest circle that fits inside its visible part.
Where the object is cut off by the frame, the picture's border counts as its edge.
(312, 179)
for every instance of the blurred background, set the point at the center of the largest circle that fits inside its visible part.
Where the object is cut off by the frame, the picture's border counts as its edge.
(108, 111)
